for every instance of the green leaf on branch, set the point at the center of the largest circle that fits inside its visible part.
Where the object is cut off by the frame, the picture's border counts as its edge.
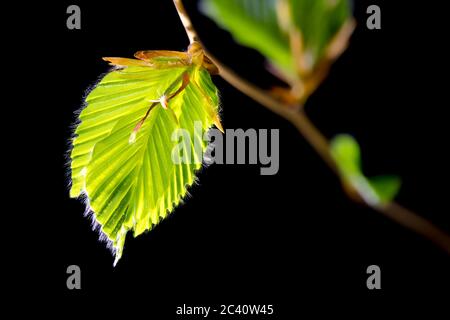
(319, 22)
(279, 28)
(376, 190)
(253, 24)
(122, 160)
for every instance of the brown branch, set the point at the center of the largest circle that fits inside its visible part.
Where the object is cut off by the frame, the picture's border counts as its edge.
(416, 223)
(298, 118)
(186, 21)
(393, 210)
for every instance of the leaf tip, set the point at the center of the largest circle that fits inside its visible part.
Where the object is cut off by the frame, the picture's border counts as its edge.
(218, 124)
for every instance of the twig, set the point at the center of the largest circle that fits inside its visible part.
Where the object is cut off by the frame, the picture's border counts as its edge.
(318, 141)
(416, 223)
(186, 21)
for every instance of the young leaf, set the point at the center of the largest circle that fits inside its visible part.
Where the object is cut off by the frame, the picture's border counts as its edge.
(386, 187)
(377, 190)
(347, 154)
(319, 22)
(285, 31)
(253, 24)
(122, 153)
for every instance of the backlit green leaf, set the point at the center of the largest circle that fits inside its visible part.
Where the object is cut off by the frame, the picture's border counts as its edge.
(128, 176)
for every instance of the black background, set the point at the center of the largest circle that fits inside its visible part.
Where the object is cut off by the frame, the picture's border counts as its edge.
(290, 239)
